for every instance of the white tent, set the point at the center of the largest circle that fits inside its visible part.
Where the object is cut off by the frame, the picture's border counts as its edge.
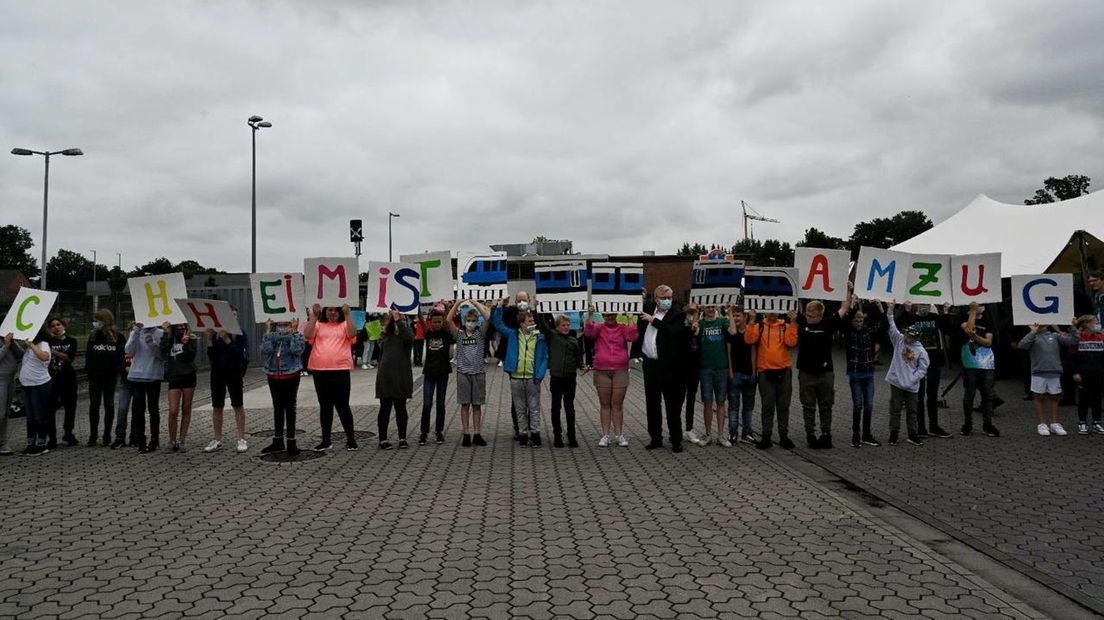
(1031, 238)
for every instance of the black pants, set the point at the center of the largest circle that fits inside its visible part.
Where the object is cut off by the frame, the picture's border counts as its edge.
(333, 387)
(101, 390)
(663, 390)
(146, 397)
(1088, 396)
(433, 390)
(285, 393)
(63, 393)
(384, 419)
(929, 399)
(691, 387)
(563, 390)
(977, 380)
(419, 347)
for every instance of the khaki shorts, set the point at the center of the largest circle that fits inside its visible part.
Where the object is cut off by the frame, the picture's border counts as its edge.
(606, 379)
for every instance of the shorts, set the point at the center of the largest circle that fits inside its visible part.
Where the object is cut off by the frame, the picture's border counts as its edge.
(609, 379)
(183, 383)
(223, 381)
(714, 385)
(1046, 385)
(471, 389)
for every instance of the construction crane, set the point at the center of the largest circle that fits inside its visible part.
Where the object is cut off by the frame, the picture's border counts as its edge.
(753, 216)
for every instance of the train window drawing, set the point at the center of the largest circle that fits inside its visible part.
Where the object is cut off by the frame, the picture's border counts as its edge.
(482, 276)
(716, 283)
(770, 289)
(561, 286)
(617, 287)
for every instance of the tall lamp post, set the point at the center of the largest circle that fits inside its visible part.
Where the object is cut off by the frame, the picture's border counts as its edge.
(95, 294)
(390, 216)
(45, 195)
(255, 122)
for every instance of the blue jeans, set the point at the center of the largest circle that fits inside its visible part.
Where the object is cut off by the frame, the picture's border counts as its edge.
(862, 401)
(122, 410)
(714, 385)
(741, 402)
(36, 400)
(433, 385)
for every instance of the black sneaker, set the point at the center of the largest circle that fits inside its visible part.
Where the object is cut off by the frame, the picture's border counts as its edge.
(325, 445)
(351, 445)
(477, 440)
(915, 440)
(421, 440)
(990, 430)
(292, 448)
(70, 440)
(557, 441)
(440, 438)
(826, 441)
(967, 430)
(654, 445)
(534, 440)
(939, 432)
(811, 439)
(118, 443)
(892, 438)
(466, 441)
(764, 443)
(676, 448)
(785, 443)
(870, 441)
(92, 442)
(922, 433)
(385, 445)
(523, 440)
(33, 450)
(856, 441)
(572, 442)
(277, 445)
(402, 444)
(51, 443)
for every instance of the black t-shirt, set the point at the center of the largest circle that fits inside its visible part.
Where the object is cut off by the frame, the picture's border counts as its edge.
(68, 346)
(437, 343)
(739, 354)
(814, 343)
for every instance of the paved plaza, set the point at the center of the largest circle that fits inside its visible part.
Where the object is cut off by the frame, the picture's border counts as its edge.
(445, 531)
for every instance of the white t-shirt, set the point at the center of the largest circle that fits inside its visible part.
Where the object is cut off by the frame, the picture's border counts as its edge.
(651, 351)
(35, 371)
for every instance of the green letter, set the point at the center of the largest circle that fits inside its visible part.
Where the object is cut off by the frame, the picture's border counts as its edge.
(19, 324)
(426, 266)
(264, 286)
(931, 277)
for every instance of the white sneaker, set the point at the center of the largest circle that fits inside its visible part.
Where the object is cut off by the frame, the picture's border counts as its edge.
(1056, 429)
(364, 366)
(604, 441)
(692, 437)
(214, 445)
(705, 440)
(1044, 430)
(723, 441)
(623, 441)
(242, 446)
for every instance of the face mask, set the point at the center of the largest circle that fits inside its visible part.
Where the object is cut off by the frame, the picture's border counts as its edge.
(96, 325)
(530, 328)
(664, 304)
(1097, 328)
(283, 329)
(522, 305)
(597, 318)
(471, 325)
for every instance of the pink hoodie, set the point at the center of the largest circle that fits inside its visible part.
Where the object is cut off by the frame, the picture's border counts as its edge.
(611, 344)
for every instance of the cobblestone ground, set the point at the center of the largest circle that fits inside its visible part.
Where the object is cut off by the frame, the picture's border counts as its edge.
(1032, 502)
(446, 531)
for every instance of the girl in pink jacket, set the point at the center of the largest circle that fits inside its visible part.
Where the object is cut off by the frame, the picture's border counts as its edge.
(611, 370)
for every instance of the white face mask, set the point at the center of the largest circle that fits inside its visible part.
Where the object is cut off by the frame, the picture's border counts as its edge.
(522, 305)
(96, 325)
(471, 325)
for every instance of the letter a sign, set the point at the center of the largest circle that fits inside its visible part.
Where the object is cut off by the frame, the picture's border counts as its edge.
(822, 274)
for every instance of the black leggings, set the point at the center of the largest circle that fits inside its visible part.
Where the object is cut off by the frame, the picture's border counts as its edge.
(333, 387)
(1088, 396)
(284, 393)
(146, 397)
(63, 394)
(101, 390)
(384, 419)
(563, 389)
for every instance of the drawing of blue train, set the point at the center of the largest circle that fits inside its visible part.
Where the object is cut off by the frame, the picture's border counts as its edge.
(716, 283)
(482, 276)
(770, 289)
(561, 286)
(617, 287)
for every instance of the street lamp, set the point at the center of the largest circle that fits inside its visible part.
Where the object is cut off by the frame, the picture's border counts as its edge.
(390, 216)
(45, 195)
(255, 122)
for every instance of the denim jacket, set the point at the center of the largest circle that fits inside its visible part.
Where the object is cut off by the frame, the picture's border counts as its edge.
(286, 348)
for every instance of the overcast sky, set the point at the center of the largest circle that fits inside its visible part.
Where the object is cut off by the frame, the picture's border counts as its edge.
(623, 126)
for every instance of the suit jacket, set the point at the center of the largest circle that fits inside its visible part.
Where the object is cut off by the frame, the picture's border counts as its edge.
(672, 340)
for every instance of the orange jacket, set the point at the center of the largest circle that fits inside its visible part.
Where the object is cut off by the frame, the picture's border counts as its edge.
(775, 339)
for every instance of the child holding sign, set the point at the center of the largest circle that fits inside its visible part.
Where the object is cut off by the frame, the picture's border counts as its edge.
(229, 356)
(282, 349)
(907, 368)
(1046, 373)
(471, 368)
(331, 332)
(63, 350)
(395, 378)
(34, 379)
(146, 372)
(1088, 373)
(526, 362)
(178, 349)
(774, 340)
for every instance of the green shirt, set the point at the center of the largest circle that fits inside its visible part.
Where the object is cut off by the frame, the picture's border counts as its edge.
(374, 329)
(711, 343)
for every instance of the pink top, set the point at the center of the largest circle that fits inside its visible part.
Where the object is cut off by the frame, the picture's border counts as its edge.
(611, 344)
(331, 347)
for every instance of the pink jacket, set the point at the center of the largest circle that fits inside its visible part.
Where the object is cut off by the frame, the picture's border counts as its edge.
(611, 344)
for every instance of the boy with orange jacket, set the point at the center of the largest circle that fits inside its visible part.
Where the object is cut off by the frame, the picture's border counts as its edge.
(774, 339)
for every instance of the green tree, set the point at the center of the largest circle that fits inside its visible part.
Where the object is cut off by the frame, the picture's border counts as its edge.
(817, 239)
(692, 250)
(884, 232)
(1056, 190)
(768, 253)
(191, 268)
(15, 250)
(68, 271)
(155, 267)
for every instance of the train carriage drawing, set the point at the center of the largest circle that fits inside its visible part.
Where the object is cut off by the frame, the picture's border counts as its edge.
(716, 283)
(617, 287)
(770, 289)
(561, 286)
(482, 276)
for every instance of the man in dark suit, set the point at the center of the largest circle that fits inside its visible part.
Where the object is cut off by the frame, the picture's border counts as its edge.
(665, 346)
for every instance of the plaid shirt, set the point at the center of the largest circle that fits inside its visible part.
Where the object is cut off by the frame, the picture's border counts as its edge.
(860, 350)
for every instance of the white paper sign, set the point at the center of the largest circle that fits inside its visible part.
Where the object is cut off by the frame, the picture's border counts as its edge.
(152, 297)
(204, 314)
(435, 270)
(481, 275)
(881, 274)
(976, 277)
(1044, 299)
(716, 282)
(331, 282)
(561, 286)
(277, 296)
(821, 273)
(929, 280)
(770, 289)
(617, 287)
(28, 313)
(393, 286)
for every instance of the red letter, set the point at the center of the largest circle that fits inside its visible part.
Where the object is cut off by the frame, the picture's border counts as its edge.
(980, 288)
(381, 301)
(819, 267)
(338, 273)
(291, 298)
(209, 313)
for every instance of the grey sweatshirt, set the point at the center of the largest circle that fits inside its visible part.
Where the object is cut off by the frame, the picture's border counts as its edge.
(9, 358)
(1046, 351)
(146, 364)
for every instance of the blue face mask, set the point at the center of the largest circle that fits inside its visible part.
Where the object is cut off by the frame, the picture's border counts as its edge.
(1097, 328)
(664, 304)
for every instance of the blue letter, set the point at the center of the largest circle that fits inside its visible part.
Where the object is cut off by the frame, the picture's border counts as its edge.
(889, 269)
(1052, 301)
(414, 287)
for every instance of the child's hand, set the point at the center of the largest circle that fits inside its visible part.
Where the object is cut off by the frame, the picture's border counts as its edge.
(1077, 377)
